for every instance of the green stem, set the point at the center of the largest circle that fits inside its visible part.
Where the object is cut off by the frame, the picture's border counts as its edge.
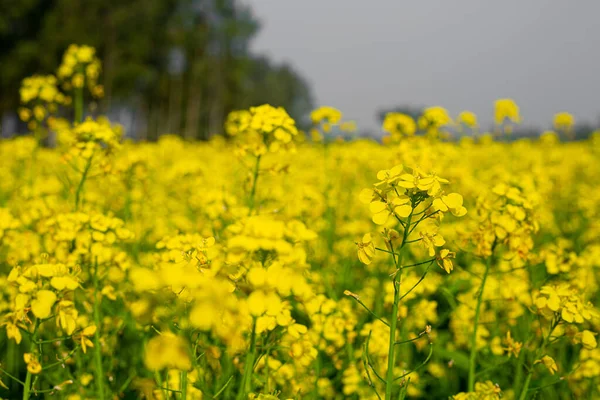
(78, 105)
(523, 395)
(82, 182)
(473, 355)
(27, 385)
(184, 385)
(97, 351)
(389, 378)
(159, 381)
(396, 281)
(223, 388)
(254, 182)
(14, 378)
(538, 353)
(246, 386)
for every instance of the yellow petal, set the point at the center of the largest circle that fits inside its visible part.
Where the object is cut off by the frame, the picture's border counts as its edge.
(42, 305)
(453, 200)
(459, 212)
(403, 210)
(89, 331)
(397, 170)
(365, 196)
(438, 204)
(381, 218)
(377, 207)
(367, 238)
(364, 257)
(257, 303)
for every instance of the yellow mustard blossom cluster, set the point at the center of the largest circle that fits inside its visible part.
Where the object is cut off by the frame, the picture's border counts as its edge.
(91, 137)
(261, 129)
(506, 110)
(506, 115)
(563, 302)
(434, 121)
(326, 115)
(80, 67)
(468, 119)
(324, 119)
(399, 194)
(399, 125)
(487, 390)
(506, 216)
(40, 98)
(564, 123)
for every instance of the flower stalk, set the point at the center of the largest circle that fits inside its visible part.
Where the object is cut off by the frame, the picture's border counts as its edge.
(473, 353)
(396, 280)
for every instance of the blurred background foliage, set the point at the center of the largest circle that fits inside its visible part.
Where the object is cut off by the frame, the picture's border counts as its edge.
(169, 66)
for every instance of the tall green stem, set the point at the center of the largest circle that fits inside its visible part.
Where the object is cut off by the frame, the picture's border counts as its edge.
(523, 395)
(389, 378)
(184, 385)
(246, 385)
(33, 337)
(78, 104)
(254, 182)
(473, 355)
(538, 353)
(97, 351)
(86, 170)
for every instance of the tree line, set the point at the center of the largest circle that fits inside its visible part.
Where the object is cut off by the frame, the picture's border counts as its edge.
(170, 66)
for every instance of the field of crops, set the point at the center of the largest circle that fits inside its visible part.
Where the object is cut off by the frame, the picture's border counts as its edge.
(274, 264)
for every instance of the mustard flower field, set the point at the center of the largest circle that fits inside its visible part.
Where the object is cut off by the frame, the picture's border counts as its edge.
(272, 263)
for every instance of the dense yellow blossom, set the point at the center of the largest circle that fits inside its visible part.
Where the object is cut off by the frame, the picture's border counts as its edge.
(267, 266)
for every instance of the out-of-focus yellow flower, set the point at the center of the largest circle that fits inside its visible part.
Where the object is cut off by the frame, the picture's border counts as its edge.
(548, 363)
(326, 114)
(506, 110)
(167, 351)
(33, 365)
(399, 125)
(468, 119)
(565, 123)
(434, 120)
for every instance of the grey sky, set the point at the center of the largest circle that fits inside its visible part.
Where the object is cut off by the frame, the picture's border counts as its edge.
(360, 55)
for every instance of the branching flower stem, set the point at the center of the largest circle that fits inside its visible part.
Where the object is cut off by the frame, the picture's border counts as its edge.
(97, 350)
(252, 199)
(27, 385)
(396, 280)
(473, 354)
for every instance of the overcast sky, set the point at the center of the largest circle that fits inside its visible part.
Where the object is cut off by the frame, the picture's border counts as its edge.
(362, 55)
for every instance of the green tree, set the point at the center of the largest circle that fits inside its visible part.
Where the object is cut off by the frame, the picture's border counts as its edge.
(180, 65)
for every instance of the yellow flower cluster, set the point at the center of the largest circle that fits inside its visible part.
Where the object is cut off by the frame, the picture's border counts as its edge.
(40, 98)
(505, 217)
(324, 118)
(327, 115)
(91, 137)
(483, 391)
(80, 67)
(434, 120)
(564, 302)
(261, 129)
(506, 110)
(399, 125)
